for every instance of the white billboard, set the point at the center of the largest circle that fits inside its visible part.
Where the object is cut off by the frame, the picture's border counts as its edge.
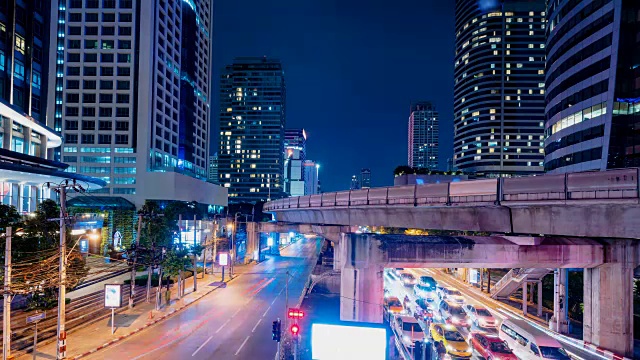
(112, 295)
(340, 342)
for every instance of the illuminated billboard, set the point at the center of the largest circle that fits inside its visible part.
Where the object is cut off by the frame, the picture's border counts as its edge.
(340, 342)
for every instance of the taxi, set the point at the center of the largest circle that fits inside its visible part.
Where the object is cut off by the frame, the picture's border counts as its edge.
(455, 345)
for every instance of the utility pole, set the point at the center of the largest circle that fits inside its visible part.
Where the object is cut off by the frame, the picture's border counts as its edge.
(135, 258)
(286, 298)
(61, 189)
(6, 310)
(195, 263)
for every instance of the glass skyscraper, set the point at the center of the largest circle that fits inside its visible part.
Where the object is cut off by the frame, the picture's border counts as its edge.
(593, 85)
(499, 86)
(252, 129)
(423, 136)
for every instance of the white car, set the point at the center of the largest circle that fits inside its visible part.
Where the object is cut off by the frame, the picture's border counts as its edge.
(408, 329)
(449, 293)
(480, 316)
(424, 292)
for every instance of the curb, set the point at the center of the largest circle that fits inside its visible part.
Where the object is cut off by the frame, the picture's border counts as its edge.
(603, 352)
(170, 313)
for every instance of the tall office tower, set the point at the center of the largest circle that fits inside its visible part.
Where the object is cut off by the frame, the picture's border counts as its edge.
(311, 177)
(213, 169)
(593, 85)
(355, 183)
(423, 136)
(295, 143)
(499, 87)
(130, 94)
(365, 178)
(252, 122)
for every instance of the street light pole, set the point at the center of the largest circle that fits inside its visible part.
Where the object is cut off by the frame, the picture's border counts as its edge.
(133, 269)
(6, 313)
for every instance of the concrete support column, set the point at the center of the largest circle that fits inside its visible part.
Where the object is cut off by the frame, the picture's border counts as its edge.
(7, 126)
(539, 303)
(608, 307)
(560, 307)
(43, 147)
(525, 286)
(27, 140)
(361, 282)
(337, 254)
(253, 243)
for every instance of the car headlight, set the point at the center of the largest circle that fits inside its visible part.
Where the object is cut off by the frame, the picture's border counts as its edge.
(450, 348)
(455, 318)
(406, 339)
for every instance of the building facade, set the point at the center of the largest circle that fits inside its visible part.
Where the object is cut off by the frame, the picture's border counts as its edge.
(593, 85)
(252, 123)
(365, 178)
(499, 87)
(423, 136)
(311, 177)
(213, 168)
(130, 94)
(295, 149)
(27, 145)
(355, 183)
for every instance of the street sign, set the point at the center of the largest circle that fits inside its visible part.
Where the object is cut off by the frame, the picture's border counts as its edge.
(223, 259)
(112, 295)
(36, 317)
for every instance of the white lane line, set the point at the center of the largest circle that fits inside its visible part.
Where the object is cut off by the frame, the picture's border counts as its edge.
(266, 311)
(236, 313)
(254, 328)
(222, 326)
(242, 345)
(201, 346)
(274, 300)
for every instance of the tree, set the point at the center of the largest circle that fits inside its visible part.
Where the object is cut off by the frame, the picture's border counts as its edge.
(9, 216)
(403, 170)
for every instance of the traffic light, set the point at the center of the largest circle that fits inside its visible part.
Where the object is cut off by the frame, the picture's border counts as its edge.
(295, 330)
(276, 330)
(294, 313)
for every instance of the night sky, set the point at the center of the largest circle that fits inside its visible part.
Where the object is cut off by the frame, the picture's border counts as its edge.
(351, 68)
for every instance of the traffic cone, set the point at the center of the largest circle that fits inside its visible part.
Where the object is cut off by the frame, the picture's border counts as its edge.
(150, 314)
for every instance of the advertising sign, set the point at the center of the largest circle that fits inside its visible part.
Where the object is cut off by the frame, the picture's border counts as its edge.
(474, 275)
(223, 259)
(113, 295)
(338, 342)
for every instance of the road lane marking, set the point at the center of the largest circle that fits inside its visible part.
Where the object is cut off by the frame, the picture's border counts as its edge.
(222, 326)
(242, 345)
(254, 328)
(201, 346)
(236, 313)
(266, 311)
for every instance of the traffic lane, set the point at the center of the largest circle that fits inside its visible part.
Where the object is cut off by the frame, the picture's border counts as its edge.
(501, 313)
(189, 323)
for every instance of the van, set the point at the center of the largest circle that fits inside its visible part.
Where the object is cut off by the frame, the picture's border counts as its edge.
(528, 342)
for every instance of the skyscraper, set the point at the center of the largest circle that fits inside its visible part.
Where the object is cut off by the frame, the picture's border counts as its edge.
(213, 169)
(311, 177)
(295, 143)
(355, 183)
(252, 123)
(365, 178)
(423, 136)
(499, 86)
(130, 94)
(593, 86)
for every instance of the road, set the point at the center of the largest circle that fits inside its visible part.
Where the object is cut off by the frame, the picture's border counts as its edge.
(499, 312)
(232, 322)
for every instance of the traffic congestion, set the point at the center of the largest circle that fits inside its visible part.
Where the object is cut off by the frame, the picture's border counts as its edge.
(431, 318)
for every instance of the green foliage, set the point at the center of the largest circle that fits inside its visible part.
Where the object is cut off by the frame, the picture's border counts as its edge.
(175, 261)
(406, 170)
(142, 280)
(9, 216)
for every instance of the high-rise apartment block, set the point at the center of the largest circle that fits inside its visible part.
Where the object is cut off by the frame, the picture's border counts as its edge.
(130, 87)
(311, 177)
(252, 123)
(213, 169)
(355, 183)
(423, 136)
(593, 85)
(295, 144)
(499, 86)
(365, 178)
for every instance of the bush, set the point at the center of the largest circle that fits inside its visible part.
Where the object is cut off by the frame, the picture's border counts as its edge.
(142, 280)
(44, 301)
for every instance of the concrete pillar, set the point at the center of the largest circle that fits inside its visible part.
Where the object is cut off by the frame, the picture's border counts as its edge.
(7, 126)
(540, 315)
(337, 255)
(253, 243)
(560, 308)
(525, 287)
(608, 307)
(361, 283)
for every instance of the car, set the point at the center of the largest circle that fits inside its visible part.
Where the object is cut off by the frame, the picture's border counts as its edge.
(392, 307)
(425, 292)
(451, 339)
(408, 329)
(397, 271)
(423, 311)
(452, 313)
(428, 281)
(529, 342)
(449, 293)
(490, 347)
(480, 316)
(408, 279)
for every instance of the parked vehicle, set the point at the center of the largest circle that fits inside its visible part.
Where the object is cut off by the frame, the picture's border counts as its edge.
(490, 347)
(527, 342)
(480, 316)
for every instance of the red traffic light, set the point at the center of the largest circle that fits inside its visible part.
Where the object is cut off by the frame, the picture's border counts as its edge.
(295, 329)
(295, 313)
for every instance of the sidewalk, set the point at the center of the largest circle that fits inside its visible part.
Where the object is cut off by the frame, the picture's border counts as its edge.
(93, 337)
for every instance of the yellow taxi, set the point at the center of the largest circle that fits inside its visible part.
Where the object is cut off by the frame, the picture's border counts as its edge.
(451, 339)
(393, 305)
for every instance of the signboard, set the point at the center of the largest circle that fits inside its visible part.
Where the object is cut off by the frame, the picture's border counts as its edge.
(338, 342)
(113, 295)
(117, 239)
(223, 259)
(84, 246)
(36, 317)
(474, 275)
